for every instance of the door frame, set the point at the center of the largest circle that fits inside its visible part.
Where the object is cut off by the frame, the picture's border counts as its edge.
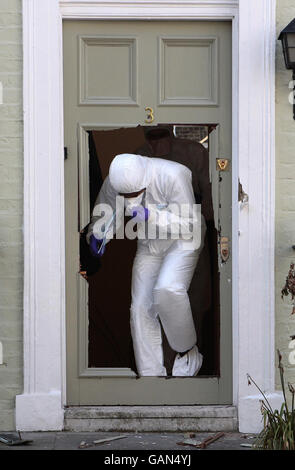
(41, 406)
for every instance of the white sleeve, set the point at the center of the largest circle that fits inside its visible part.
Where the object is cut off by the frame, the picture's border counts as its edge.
(106, 195)
(181, 213)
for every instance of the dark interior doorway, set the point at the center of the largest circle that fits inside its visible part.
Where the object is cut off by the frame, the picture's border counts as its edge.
(109, 279)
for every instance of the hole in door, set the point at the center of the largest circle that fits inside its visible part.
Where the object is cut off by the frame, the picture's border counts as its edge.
(109, 278)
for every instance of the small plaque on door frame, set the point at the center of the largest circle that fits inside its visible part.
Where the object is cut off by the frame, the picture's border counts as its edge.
(224, 248)
(222, 164)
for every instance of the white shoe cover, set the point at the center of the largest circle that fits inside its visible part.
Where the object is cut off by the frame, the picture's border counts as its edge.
(189, 364)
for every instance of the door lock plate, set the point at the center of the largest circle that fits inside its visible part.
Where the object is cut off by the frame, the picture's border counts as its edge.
(224, 248)
(222, 164)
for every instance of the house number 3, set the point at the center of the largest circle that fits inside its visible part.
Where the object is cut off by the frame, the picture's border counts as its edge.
(150, 116)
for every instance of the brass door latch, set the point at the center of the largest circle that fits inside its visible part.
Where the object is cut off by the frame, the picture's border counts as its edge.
(224, 248)
(222, 164)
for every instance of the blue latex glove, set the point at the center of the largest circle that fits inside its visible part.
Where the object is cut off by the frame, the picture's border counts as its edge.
(94, 245)
(141, 213)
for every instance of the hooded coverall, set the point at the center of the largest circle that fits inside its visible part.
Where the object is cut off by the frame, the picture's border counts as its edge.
(162, 268)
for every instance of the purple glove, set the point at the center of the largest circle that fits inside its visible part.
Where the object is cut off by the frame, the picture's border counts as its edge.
(94, 245)
(140, 213)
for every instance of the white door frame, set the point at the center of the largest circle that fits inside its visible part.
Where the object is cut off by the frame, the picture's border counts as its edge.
(40, 407)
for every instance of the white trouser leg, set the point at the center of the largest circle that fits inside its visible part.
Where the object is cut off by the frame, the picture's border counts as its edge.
(171, 299)
(145, 327)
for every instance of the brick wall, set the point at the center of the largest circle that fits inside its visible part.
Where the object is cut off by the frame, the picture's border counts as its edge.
(285, 192)
(11, 207)
(191, 132)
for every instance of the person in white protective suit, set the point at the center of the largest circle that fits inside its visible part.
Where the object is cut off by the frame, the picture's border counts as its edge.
(162, 268)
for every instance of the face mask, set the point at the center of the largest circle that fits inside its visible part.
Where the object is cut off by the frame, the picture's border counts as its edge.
(131, 202)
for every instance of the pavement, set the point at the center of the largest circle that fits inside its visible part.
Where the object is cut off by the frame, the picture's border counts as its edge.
(131, 441)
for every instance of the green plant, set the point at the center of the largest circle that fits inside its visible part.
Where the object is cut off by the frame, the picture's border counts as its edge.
(278, 426)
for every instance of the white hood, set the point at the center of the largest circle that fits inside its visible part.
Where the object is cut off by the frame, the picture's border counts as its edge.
(130, 173)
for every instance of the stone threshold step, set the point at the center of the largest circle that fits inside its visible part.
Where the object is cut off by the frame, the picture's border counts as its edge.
(151, 418)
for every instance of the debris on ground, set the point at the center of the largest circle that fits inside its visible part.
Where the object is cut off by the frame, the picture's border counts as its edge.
(190, 435)
(85, 445)
(108, 439)
(13, 440)
(201, 444)
(190, 442)
(246, 445)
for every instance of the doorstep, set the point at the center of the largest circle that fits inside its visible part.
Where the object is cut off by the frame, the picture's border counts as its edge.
(151, 418)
